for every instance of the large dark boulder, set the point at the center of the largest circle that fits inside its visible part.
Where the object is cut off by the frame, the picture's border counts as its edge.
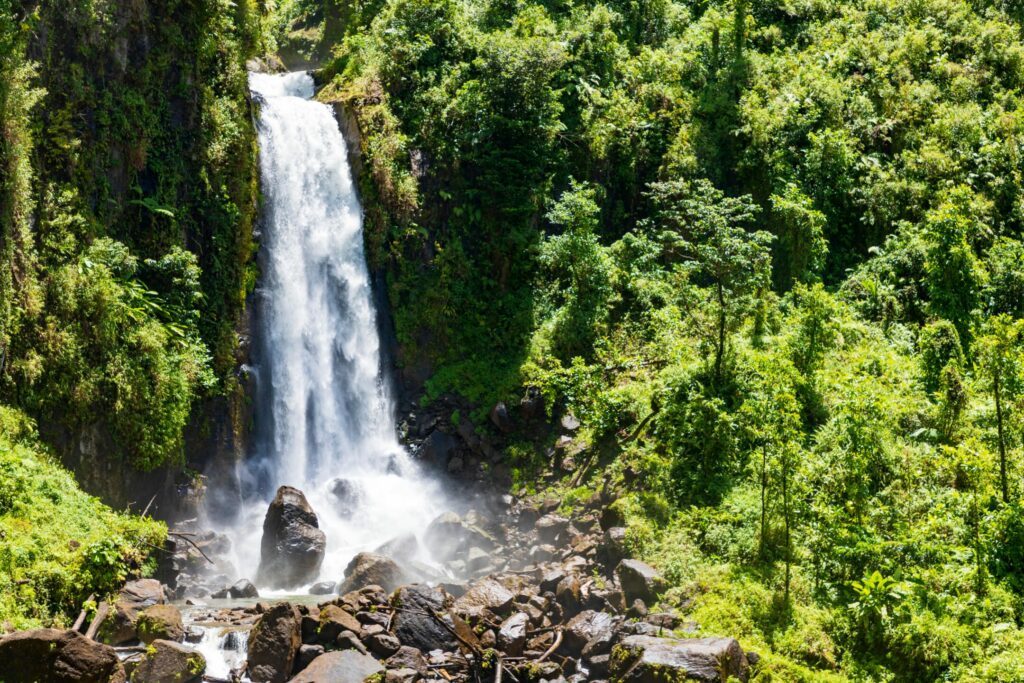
(274, 643)
(293, 545)
(370, 569)
(49, 655)
(120, 626)
(639, 581)
(413, 623)
(512, 634)
(589, 629)
(345, 666)
(169, 662)
(646, 659)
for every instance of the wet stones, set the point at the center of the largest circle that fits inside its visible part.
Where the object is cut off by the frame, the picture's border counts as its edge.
(512, 634)
(416, 622)
(293, 546)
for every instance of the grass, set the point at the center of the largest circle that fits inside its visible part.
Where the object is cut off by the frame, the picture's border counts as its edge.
(58, 544)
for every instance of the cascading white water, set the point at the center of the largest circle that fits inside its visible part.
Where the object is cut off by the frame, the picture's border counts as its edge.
(323, 410)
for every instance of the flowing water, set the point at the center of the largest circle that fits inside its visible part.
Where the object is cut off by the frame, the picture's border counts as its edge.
(323, 410)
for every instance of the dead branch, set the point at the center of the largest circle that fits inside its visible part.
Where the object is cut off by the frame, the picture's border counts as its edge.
(81, 615)
(554, 646)
(101, 613)
(192, 543)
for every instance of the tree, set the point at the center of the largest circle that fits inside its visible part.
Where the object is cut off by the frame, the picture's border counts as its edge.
(954, 273)
(704, 229)
(1005, 290)
(998, 359)
(772, 418)
(578, 272)
(802, 247)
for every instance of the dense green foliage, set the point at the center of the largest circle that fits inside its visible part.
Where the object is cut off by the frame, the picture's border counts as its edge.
(57, 544)
(129, 194)
(770, 253)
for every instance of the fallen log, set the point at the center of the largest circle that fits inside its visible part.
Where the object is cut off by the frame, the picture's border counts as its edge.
(101, 614)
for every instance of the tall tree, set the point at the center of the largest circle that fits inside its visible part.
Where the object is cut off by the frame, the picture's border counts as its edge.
(704, 229)
(998, 356)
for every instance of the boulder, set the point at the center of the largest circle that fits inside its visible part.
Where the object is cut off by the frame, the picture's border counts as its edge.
(477, 560)
(169, 662)
(306, 655)
(382, 644)
(243, 589)
(613, 545)
(531, 406)
(413, 624)
(639, 581)
(444, 535)
(322, 588)
(345, 496)
(293, 546)
(512, 635)
(160, 622)
(119, 627)
(646, 659)
(403, 547)
(408, 658)
(484, 595)
(569, 423)
(589, 628)
(273, 644)
(437, 449)
(551, 528)
(370, 569)
(48, 655)
(333, 622)
(344, 666)
(501, 418)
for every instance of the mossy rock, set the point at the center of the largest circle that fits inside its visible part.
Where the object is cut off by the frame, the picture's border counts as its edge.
(160, 622)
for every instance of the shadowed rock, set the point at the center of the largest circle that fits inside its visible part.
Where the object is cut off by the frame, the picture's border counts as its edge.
(274, 643)
(136, 596)
(52, 655)
(413, 623)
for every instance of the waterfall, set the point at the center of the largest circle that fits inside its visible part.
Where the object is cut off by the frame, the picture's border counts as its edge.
(324, 421)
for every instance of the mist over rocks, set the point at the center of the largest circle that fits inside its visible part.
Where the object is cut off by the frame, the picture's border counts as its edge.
(293, 546)
(563, 618)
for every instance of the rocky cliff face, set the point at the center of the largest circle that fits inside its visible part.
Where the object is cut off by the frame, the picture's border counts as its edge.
(142, 134)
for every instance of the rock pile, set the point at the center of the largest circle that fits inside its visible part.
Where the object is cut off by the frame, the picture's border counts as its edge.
(551, 599)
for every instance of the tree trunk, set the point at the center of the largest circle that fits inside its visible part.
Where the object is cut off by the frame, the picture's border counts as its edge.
(720, 348)
(996, 385)
(785, 514)
(764, 488)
